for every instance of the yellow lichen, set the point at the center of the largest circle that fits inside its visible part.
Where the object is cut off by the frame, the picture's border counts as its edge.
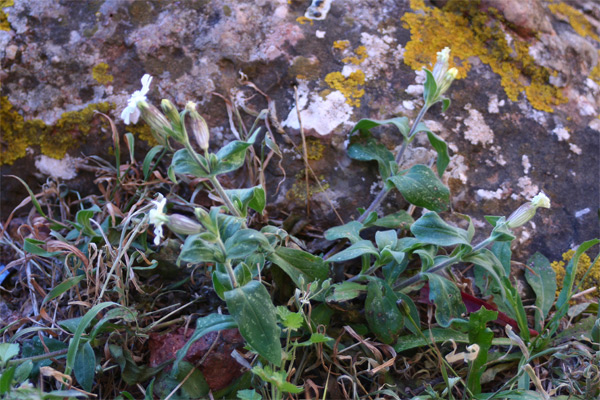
(577, 19)
(314, 148)
(361, 55)
(303, 20)
(595, 72)
(469, 32)
(54, 141)
(348, 86)
(341, 44)
(143, 132)
(4, 24)
(298, 189)
(592, 280)
(101, 74)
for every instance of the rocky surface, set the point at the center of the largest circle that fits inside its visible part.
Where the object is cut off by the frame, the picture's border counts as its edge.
(524, 116)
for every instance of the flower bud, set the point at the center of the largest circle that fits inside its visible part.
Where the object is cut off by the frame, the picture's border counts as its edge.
(198, 126)
(527, 211)
(171, 112)
(183, 225)
(157, 121)
(446, 81)
(441, 66)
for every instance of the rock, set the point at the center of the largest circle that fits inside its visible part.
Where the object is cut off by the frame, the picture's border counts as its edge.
(218, 367)
(61, 62)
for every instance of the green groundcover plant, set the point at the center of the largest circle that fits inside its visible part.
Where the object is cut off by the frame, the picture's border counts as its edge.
(397, 259)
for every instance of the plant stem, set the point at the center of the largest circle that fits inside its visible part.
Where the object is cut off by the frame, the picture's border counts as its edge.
(214, 181)
(231, 274)
(448, 262)
(384, 192)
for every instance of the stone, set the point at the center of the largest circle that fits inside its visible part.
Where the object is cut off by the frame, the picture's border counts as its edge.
(524, 112)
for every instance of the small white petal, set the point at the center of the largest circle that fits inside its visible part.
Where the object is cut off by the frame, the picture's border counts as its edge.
(146, 79)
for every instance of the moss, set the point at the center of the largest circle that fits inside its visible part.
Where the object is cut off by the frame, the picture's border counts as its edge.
(68, 132)
(592, 280)
(348, 86)
(101, 74)
(469, 32)
(576, 18)
(361, 55)
(341, 44)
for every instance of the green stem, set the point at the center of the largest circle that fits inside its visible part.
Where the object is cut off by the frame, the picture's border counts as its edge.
(418, 277)
(384, 192)
(231, 274)
(214, 181)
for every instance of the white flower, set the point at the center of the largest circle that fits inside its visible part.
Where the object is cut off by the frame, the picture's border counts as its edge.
(131, 113)
(158, 218)
(541, 200)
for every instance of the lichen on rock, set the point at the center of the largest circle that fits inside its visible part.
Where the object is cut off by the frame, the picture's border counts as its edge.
(470, 32)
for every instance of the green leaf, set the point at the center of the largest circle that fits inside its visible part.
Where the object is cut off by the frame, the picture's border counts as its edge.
(386, 238)
(204, 325)
(85, 366)
(277, 379)
(487, 261)
(23, 371)
(195, 386)
(512, 395)
(253, 310)
(34, 200)
(503, 253)
(446, 297)
(350, 231)
(434, 335)
(76, 339)
(253, 197)
(397, 220)
(346, 291)
(383, 316)
(421, 187)
(8, 351)
(131, 373)
(148, 160)
(373, 151)
(83, 218)
(441, 147)
(430, 228)
(196, 250)
(290, 320)
(571, 269)
(243, 243)
(481, 335)
(430, 88)
(248, 394)
(6, 379)
(542, 279)
(296, 263)
(365, 125)
(231, 157)
(62, 288)
(183, 163)
(445, 104)
(32, 246)
(363, 247)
